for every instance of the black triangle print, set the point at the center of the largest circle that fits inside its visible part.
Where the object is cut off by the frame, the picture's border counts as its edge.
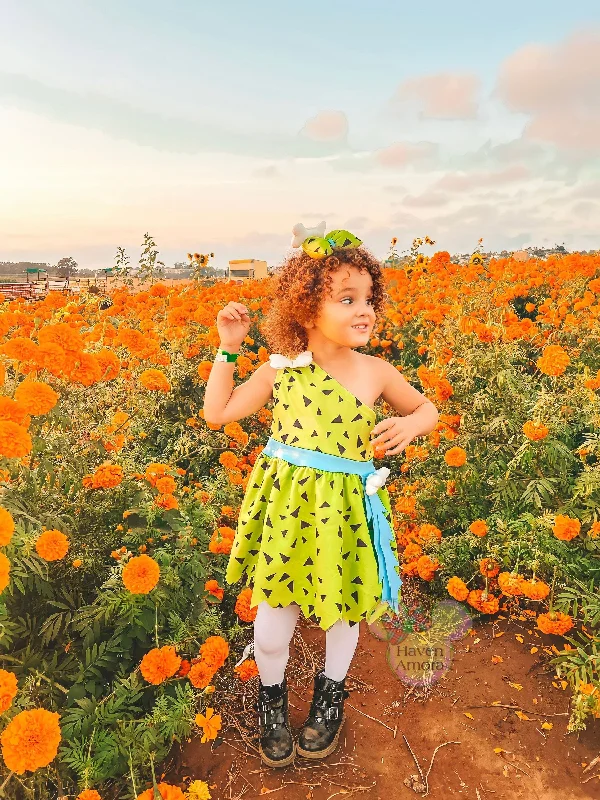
(285, 558)
(360, 543)
(267, 592)
(355, 596)
(358, 580)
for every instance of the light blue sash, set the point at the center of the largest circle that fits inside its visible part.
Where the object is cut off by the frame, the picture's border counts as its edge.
(375, 510)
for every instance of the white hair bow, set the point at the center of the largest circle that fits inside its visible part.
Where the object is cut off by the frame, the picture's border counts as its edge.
(377, 479)
(279, 361)
(301, 233)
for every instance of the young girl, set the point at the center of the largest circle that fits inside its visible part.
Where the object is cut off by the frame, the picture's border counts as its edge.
(315, 531)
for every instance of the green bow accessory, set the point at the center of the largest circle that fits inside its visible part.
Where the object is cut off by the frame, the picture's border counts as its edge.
(317, 244)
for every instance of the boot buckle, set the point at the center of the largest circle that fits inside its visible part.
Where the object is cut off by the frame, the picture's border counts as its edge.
(337, 696)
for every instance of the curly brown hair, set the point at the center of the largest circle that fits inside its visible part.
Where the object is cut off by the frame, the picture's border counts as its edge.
(301, 284)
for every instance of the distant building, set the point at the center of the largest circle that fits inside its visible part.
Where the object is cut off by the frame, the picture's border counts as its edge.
(247, 269)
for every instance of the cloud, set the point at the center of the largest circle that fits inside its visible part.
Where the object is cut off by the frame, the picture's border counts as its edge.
(426, 199)
(442, 96)
(269, 172)
(151, 128)
(326, 126)
(355, 223)
(557, 86)
(455, 182)
(401, 154)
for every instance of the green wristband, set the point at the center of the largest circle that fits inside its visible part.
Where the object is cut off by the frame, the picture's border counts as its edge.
(225, 355)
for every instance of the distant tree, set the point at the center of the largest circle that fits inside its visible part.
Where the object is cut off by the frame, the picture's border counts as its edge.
(181, 265)
(67, 267)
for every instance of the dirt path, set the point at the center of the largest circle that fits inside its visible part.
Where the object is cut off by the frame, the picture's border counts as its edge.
(373, 763)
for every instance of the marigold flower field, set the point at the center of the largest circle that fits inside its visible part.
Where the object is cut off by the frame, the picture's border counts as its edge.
(118, 502)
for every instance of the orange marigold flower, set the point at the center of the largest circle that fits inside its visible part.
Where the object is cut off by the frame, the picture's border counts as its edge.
(510, 583)
(166, 485)
(107, 476)
(89, 794)
(212, 587)
(554, 360)
(429, 532)
(8, 689)
(77, 563)
(220, 541)
(489, 567)
(457, 588)
(167, 792)
(554, 622)
(155, 380)
(36, 397)
(482, 601)
(166, 501)
(411, 568)
(426, 567)
(535, 430)
(20, 348)
(455, 457)
(210, 724)
(242, 606)
(566, 528)
(412, 552)
(228, 459)
(154, 472)
(52, 545)
(83, 368)
(535, 590)
(594, 531)
(14, 412)
(204, 368)
(7, 527)
(184, 668)
(214, 651)
(109, 364)
(479, 527)
(30, 740)
(246, 670)
(15, 442)
(141, 574)
(4, 572)
(201, 674)
(63, 335)
(160, 664)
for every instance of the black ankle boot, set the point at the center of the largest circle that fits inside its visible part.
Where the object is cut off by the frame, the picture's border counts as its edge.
(321, 732)
(276, 743)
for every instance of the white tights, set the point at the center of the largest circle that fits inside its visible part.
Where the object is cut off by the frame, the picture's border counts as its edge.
(273, 632)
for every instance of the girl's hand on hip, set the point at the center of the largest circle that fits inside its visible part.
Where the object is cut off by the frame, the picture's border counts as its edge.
(395, 432)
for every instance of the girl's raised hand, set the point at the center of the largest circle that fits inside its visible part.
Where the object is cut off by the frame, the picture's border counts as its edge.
(233, 324)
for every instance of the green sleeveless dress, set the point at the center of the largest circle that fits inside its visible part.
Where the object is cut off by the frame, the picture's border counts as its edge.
(302, 535)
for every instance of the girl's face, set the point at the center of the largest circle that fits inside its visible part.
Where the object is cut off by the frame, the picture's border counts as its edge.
(350, 304)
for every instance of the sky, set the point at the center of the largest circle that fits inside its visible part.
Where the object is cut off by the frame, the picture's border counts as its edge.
(216, 126)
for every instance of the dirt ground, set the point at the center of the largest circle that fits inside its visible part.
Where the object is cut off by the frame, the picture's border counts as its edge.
(373, 759)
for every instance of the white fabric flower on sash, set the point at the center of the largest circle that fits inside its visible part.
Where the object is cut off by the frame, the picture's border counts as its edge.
(377, 479)
(278, 361)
